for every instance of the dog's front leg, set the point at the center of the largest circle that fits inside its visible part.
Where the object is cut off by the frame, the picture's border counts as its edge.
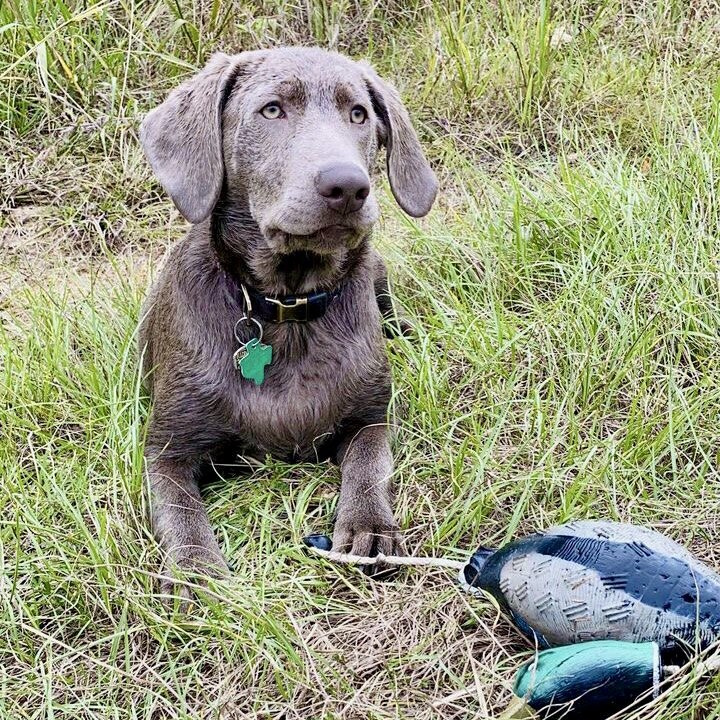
(365, 523)
(180, 523)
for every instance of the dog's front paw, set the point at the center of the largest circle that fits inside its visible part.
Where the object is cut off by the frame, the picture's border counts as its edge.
(368, 531)
(186, 567)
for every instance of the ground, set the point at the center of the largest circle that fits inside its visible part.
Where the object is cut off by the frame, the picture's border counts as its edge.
(566, 292)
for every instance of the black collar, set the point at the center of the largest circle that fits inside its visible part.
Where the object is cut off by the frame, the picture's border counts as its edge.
(283, 308)
(290, 308)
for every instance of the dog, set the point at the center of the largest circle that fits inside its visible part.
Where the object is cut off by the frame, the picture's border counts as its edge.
(263, 332)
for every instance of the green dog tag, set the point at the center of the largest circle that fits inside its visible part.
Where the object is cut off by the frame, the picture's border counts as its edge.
(254, 360)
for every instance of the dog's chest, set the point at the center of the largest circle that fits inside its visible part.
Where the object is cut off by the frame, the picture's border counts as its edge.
(316, 380)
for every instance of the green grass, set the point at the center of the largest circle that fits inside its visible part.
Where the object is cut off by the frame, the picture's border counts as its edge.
(566, 290)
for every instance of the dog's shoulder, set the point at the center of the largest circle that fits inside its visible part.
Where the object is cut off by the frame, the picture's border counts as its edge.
(185, 318)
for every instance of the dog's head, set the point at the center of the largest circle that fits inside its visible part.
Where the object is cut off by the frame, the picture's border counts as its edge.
(293, 132)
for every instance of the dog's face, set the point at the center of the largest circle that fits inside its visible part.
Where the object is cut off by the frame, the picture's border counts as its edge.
(300, 138)
(293, 132)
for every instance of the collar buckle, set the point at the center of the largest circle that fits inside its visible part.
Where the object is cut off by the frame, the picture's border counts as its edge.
(295, 311)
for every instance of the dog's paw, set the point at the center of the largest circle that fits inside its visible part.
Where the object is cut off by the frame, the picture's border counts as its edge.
(186, 570)
(369, 534)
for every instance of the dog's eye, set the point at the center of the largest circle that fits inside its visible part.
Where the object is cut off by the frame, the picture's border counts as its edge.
(358, 115)
(272, 111)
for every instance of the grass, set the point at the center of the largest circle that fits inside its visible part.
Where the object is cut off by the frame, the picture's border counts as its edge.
(566, 290)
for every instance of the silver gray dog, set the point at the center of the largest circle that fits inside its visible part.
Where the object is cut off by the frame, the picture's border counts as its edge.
(263, 334)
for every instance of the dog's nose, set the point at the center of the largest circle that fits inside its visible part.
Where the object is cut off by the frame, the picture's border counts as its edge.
(344, 186)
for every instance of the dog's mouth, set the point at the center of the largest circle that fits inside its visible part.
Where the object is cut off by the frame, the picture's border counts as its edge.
(323, 240)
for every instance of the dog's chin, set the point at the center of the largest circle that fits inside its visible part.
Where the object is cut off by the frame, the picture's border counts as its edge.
(323, 241)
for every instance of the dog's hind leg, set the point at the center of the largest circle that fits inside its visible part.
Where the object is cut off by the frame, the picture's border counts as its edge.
(394, 315)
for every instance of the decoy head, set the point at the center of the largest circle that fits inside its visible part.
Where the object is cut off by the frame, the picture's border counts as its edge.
(470, 574)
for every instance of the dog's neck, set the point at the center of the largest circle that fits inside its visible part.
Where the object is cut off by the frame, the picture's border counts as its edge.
(244, 254)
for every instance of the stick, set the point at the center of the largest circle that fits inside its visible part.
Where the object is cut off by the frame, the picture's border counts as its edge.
(410, 560)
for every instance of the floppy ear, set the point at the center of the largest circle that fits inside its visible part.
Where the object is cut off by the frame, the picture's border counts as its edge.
(411, 179)
(182, 138)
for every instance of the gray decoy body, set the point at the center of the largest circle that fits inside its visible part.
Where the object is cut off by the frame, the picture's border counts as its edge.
(600, 580)
(614, 603)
